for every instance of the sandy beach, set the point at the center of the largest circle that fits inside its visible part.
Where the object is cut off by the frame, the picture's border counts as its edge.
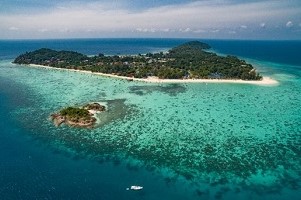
(266, 81)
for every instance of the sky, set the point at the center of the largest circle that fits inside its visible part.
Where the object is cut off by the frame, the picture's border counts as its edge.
(209, 19)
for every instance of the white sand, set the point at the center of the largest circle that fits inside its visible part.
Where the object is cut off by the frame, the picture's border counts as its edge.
(152, 79)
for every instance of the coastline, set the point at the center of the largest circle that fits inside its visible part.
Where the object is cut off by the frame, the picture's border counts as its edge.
(266, 81)
(72, 117)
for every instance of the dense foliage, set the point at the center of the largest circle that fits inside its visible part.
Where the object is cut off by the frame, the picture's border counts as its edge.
(189, 60)
(75, 113)
(51, 57)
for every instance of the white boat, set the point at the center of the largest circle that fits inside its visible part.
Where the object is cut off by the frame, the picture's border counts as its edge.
(136, 187)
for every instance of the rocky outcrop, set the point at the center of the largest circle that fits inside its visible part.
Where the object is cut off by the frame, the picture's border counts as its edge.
(95, 107)
(78, 117)
(57, 119)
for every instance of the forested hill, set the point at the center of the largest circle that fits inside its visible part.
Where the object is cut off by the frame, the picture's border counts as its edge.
(46, 56)
(189, 60)
(190, 46)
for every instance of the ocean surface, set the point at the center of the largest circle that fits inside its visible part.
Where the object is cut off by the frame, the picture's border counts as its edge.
(178, 141)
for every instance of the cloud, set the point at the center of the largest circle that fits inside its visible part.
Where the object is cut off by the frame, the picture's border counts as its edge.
(262, 25)
(13, 28)
(215, 31)
(43, 30)
(202, 16)
(186, 30)
(200, 31)
(165, 30)
(146, 30)
(289, 24)
(141, 30)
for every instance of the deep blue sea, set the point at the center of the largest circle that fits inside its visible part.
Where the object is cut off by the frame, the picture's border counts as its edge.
(224, 141)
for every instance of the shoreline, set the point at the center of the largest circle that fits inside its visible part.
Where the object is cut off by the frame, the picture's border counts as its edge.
(266, 81)
(80, 121)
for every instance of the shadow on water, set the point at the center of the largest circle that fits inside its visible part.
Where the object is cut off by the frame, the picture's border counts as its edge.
(171, 89)
(117, 110)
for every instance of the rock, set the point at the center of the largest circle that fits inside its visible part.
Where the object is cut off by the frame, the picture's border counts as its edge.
(76, 117)
(58, 119)
(95, 106)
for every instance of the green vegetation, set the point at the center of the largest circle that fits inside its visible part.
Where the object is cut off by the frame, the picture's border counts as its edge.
(189, 60)
(95, 107)
(51, 57)
(78, 116)
(75, 113)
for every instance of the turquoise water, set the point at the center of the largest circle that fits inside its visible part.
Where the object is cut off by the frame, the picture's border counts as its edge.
(180, 141)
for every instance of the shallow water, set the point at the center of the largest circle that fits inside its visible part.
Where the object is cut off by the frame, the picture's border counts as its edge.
(192, 141)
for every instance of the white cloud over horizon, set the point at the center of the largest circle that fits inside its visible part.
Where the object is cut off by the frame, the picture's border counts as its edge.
(262, 25)
(289, 24)
(13, 28)
(194, 19)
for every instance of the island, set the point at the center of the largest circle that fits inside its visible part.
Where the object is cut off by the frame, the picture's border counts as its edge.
(78, 116)
(188, 61)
